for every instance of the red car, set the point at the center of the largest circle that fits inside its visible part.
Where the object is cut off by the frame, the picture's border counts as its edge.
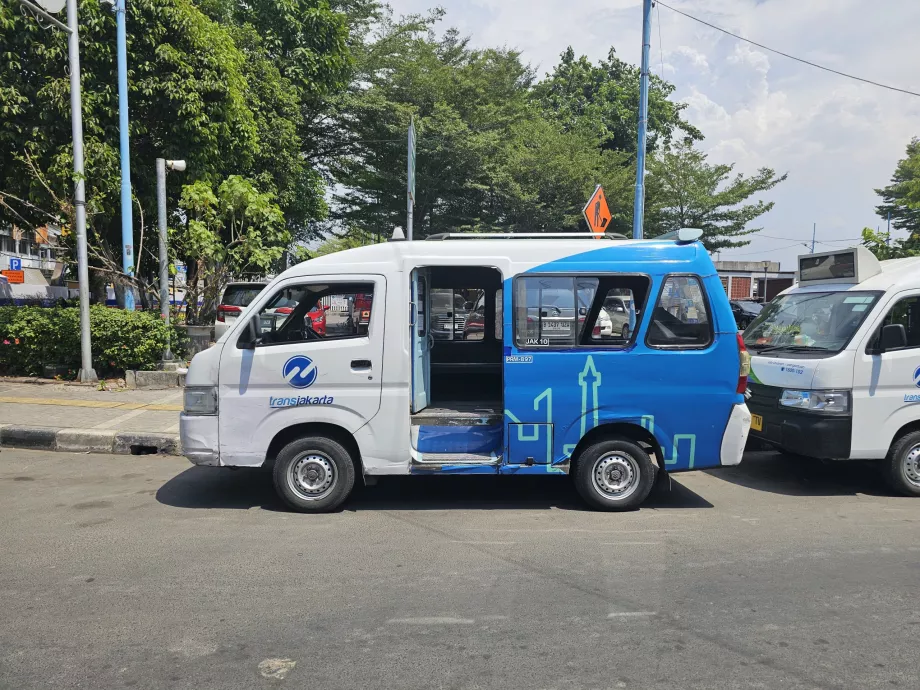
(316, 316)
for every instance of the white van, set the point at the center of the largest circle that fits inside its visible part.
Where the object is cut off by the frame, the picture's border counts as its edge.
(505, 372)
(835, 371)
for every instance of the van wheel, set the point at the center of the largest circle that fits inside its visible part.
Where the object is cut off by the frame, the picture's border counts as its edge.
(614, 475)
(314, 474)
(624, 332)
(902, 466)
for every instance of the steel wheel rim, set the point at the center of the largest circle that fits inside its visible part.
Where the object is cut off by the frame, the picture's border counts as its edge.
(912, 465)
(615, 475)
(311, 476)
(625, 332)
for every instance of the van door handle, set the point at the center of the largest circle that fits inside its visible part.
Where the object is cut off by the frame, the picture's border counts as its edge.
(360, 364)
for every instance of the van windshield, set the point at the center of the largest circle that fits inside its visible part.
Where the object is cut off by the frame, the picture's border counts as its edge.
(809, 321)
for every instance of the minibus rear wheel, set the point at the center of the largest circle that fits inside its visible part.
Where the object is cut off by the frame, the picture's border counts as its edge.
(314, 474)
(902, 466)
(614, 474)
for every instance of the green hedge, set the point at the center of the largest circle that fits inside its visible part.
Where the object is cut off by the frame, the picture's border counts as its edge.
(32, 337)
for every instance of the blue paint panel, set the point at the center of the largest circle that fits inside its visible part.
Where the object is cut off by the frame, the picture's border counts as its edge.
(530, 441)
(455, 469)
(460, 439)
(684, 398)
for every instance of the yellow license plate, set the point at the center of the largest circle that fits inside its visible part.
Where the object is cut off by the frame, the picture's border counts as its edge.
(756, 422)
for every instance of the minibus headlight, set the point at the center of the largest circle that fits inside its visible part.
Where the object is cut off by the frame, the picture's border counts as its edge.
(201, 400)
(825, 402)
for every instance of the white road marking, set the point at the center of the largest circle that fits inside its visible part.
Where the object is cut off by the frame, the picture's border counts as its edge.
(115, 421)
(276, 669)
(631, 543)
(563, 529)
(494, 543)
(631, 614)
(431, 620)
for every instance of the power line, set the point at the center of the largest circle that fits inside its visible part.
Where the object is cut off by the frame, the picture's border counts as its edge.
(787, 55)
(775, 249)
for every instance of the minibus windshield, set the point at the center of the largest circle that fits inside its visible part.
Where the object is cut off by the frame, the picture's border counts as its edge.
(809, 321)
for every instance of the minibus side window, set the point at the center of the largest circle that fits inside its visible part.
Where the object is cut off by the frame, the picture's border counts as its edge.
(550, 311)
(680, 318)
(905, 312)
(310, 312)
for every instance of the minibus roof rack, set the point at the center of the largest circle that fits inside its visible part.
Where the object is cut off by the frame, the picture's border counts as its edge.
(525, 236)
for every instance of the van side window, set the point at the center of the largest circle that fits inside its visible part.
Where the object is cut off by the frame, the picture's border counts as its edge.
(615, 319)
(907, 313)
(551, 311)
(305, 313)
(681, 316)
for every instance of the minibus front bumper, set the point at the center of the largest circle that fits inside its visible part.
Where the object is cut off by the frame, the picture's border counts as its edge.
(805, 433)
(198, 434)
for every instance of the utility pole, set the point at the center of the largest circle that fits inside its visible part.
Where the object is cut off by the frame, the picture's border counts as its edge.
(639, 203)
(178, 166)
(410, 180)
(814, 229)
(127, 221)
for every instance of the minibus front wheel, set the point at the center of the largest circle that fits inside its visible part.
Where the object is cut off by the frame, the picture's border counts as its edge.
(314, 474)
(902, 466)
(614, 474)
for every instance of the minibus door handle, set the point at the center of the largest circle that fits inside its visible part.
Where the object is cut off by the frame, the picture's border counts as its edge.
(360, 365)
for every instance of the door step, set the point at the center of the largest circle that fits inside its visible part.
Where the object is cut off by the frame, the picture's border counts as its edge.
(459, 414)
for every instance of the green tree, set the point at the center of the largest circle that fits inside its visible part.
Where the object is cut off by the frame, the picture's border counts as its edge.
(218, 84)
(901, 198)
(684, 190)
(605, 98)
(229, 231)
(880, 244)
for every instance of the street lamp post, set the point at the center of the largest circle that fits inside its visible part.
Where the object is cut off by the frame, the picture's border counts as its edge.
(766, 265)
(162, 165)
(47, 8)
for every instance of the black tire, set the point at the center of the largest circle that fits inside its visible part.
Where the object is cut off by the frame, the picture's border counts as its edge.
(314, 461)
(902, 466)
(625, 331)
(621, 457)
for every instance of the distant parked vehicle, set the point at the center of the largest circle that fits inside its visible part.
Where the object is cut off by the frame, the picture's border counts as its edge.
(745, 311)
(235, 298)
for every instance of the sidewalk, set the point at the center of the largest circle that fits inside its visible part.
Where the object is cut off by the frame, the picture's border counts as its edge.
(81, 418)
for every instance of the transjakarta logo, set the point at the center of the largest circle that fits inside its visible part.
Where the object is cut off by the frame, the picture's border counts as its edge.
(917, 377)
(299, 401)
(300, 372)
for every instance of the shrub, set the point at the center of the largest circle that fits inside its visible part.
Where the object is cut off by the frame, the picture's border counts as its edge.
(31, 337)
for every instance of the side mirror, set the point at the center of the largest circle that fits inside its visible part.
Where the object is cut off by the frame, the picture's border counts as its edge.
(468, 305)
(894, 336)
(326, 307)
(582, 311)
(248, 337)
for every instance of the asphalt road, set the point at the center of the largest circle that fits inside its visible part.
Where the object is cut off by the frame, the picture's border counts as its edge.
(146, 572)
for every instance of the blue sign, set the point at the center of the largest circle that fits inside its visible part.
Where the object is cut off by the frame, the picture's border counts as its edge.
(917, 377)
(300, 372)
(15, 264)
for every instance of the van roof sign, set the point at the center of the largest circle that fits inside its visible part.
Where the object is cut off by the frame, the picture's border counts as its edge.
(852, 265)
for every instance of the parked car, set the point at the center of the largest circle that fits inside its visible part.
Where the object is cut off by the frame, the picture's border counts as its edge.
(613, 319)
(234, 299)
(449, 312)
(745, 311)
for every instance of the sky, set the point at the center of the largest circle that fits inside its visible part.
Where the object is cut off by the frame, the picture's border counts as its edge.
(838, 139)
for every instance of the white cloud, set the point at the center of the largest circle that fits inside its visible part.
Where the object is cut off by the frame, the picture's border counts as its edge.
(837, 138)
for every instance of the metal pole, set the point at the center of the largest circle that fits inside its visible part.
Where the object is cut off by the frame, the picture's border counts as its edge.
(164, 259)
(639, 203)
(410, 178)
(127, 227)
(87, 373)
(814, 229)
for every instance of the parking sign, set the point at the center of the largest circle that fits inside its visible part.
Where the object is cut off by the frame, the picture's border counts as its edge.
(15, 264)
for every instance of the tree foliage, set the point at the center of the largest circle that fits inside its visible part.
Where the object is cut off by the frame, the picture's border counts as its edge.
(901, 198)
(229, 230)
(221, 84)
(684, 190)
(881, 244)
(605, 98)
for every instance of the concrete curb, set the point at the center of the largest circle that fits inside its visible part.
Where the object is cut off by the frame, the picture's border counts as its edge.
(89, 440)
